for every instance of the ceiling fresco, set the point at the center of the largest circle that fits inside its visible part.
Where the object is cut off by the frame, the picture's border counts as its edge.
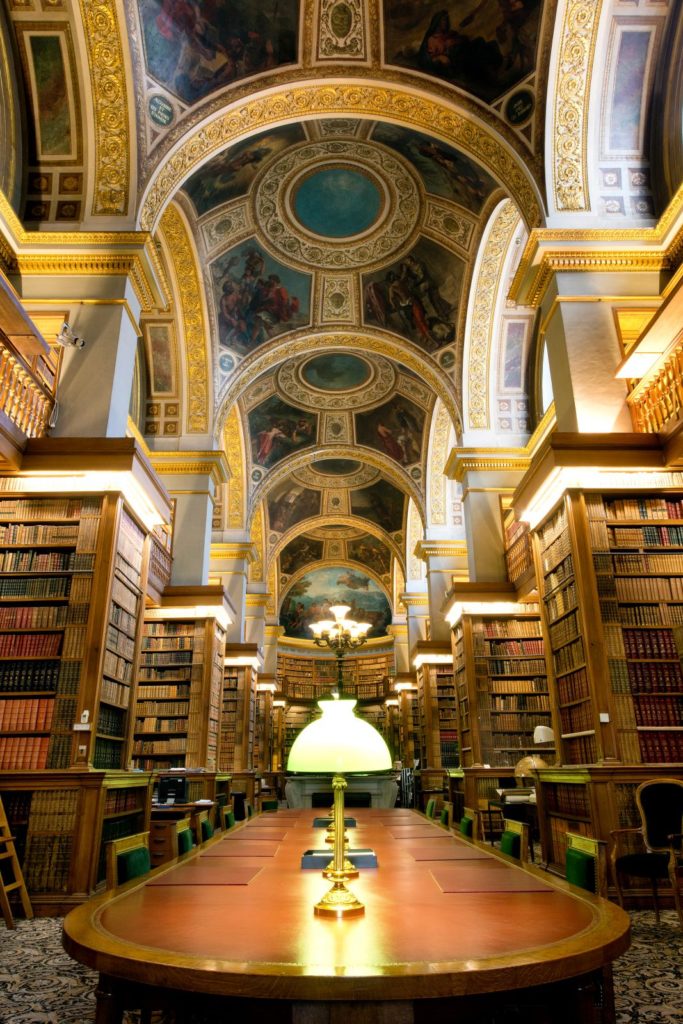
(195, 49)
(311, 596)
(485, 47)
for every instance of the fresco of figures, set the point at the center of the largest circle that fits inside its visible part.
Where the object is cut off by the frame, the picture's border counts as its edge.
(417, 296)
(381, 503)
(310, 598)
(483, 46)
(394, 428)
(256, 297)
(300, 552)
(444, 171)
(289, 504)
(371, 552)
(194, 48)
(229, 175)
(277, 429)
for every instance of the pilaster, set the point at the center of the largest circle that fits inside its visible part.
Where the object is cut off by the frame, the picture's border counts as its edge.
(444, 560)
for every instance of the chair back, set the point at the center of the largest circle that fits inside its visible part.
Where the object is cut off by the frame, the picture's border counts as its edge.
(204, 827)
(227, 818)
(127, 858)
(430, 809)
(514, 840)
(585, 864)
(660, 805)
(468, 823)
(185, 839)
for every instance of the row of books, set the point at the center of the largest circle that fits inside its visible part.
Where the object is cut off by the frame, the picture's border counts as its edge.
(47, 863)
(30, 645)
(24, 753)
(111, 721)
(565, 798)
(117, 668)
(555, 551)
(49, 508)
(123, 619)
(645, 537)
(120, 643)
(518, 557)
(54, 811)
(127, 573)
(33, 714)
(18, 533)
(114, 693)
(635, 507)
(166, 658)
(490, 647)
(661, 747)
(633, 564)
(169, 628)
(561, 601)
(509, 627)
(651, 678)
(34, 616)
(167, 643)
(125, 598)
(29, 675)
(645, 588)
(118, 801)
(573, 686)
(171, 746)
(520, 702)
(108, 753)
(33, 560)
(664, 709)
(154, 724)
(521, 666)
(642, 614)
(577, 717)
(164, 707)
(539, 684)
(580, 750)
(649, 643)
(569, 657)
(566, 629)
(523, 722)
(559, 575)
(38, 587)
(176, 691)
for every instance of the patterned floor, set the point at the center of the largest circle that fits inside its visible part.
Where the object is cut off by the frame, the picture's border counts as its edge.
(40, 984)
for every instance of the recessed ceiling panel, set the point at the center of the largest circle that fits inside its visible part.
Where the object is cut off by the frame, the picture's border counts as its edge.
(311, 597)
(337, 202)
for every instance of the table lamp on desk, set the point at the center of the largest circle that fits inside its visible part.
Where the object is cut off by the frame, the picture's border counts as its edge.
(526, 765)
(338, 743)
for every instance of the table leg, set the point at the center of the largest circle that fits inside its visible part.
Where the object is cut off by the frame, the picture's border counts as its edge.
(109, 1006)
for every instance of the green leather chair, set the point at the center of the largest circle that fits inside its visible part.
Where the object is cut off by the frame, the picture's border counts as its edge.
(514, 840)
(586, 863)
(430, 809)
(468, 824)
(127, 858)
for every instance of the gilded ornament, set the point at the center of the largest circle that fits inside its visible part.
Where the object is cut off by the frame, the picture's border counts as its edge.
(338, 305)
(379, 384)
(182, 255)
(415, 531)
(449, 225)
(438, 481)
(232, 443)
(341, 30)
(257, 539)
(108, 80)
(227, 226)
(572, 94)
(367, 100)
(486, 289)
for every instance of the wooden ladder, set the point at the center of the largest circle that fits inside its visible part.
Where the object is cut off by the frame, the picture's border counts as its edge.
(8, 856)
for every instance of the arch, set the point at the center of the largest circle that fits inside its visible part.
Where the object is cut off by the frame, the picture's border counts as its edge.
(366, 100)
(299, 342)
(341, 562)
(394, 473)
(330, 520)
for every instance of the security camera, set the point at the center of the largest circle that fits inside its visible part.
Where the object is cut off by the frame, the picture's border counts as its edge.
(67, 339)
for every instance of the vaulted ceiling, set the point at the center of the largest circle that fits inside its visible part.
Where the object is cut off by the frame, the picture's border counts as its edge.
(322, 179)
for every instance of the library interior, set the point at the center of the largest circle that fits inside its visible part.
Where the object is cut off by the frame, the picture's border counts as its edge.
(426, 456)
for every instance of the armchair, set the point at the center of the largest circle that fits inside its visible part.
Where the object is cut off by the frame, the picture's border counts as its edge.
(652, 851)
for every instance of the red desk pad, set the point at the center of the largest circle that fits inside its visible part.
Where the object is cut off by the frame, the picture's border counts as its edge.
(257, 835)
(418, 832)
(479, 878)
(273, 823)
(216, 872)
(243, 848)
(447, 851)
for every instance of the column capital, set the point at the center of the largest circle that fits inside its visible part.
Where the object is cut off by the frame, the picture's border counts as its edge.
(426, 549)
(213, 464)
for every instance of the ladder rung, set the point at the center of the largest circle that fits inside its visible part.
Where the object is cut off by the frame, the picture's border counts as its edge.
(12, 886)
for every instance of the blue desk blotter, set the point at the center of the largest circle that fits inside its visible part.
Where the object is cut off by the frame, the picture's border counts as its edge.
(321, 858)
(324, 822)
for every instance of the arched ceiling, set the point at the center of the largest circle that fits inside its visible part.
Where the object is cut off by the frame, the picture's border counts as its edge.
(334, 166)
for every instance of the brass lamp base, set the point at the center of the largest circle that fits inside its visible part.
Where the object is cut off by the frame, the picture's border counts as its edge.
(339, 901)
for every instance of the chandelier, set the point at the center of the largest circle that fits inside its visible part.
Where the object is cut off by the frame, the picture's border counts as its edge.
(341, 635)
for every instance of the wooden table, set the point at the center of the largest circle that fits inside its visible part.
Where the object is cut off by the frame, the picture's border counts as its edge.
(452, 932)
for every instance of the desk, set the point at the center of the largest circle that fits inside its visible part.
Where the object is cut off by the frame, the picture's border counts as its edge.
(163, 841)
(452, 930)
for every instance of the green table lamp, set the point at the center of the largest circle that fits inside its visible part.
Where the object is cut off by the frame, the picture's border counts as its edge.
(340, 743)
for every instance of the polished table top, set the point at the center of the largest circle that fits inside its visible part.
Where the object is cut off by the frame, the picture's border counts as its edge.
(443, 917)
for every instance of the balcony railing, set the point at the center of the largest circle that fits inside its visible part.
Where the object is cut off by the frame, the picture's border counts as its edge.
(25, 398)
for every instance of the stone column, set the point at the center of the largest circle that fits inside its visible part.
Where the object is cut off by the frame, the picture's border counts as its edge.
(444, 560)
(230, 562)
(191, 478)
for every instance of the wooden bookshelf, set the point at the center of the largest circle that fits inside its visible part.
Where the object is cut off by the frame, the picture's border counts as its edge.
(436, 703)
(501, 685)
(179, 690)
(62, 821)
(518, 551)
(302, 677)
(239, 701)
(612, 594)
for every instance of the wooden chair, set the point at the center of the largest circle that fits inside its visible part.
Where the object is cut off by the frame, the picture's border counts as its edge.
(269, 804)
(586, 864)
(203, 827)
(11, 878)
(446, 815)
(430, 809)
(652, 851)
(227, 818)
(127, 858)
(184, 836)
(514, 840)
(469, 824)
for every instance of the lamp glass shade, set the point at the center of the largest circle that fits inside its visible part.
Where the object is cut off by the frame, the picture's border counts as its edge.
(543, 734)
(340, 611)
(339, 742)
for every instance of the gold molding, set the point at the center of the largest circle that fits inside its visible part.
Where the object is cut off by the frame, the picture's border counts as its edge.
(572, 97)
(234, 549)
(486, 289)
(437, 479)
(605, 261)
(472, 460)
(426, 549)
(257, 534)
(183, 257)
(232, 442)
(211, 464)
(110, 103)
(92, 265)
(256, 601)
(413, 600)
(362, 99)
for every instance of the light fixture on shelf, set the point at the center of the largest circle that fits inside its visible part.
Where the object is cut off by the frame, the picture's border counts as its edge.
(340, 743)
(341, 635)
